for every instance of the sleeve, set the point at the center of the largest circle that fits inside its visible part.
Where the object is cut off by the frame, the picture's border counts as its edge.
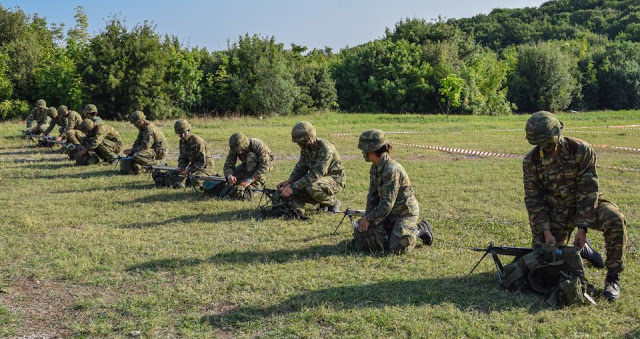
(388, 197)
(300, 169)
(50, 128)
(71, 123)
(534, 198)
(142, 141)
(44, 123)
(230, 164)
(30, 118)
(199, 160)
(372, 196)
(96, 141)
(586, 189)
(183, 159)
(264, 160)
(319, 169)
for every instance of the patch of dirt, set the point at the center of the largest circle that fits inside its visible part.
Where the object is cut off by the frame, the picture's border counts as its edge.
(44, 308)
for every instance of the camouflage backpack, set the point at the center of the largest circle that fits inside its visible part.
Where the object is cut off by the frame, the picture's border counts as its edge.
(167, 179)
(89, 158)
(223, 190)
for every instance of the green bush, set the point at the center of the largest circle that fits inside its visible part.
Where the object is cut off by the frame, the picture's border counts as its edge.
(14, 109)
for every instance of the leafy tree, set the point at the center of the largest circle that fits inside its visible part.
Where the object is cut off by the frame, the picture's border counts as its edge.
(450, 91)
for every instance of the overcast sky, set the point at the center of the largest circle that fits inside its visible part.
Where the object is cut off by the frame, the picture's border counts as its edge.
(315, 24)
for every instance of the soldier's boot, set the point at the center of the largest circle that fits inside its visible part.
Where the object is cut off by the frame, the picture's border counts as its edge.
(425, 233)
(612, 286)
(591, 255)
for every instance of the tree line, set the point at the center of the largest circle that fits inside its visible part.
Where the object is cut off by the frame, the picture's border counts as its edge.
(495, 64)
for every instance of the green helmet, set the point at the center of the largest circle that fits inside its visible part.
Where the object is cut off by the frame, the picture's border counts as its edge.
(90, 108)
(136, 116)
(181, 126)
(41, 104)
(541, 126)
(52, 112)
(238, 142)
(303, 132)
(372, 140)
(87, 125)
(63, 110)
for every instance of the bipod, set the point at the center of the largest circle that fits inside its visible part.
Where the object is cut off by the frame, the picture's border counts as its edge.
(496, 262)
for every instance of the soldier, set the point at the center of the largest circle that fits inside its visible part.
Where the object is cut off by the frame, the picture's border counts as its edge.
(91, 112)
(561, 193)
(56, 119)
(317, 177)
(150, 144)
(102, 139)
(256, 161)
(195, 157)
(39, 115)
(390, 222)
(71, 130)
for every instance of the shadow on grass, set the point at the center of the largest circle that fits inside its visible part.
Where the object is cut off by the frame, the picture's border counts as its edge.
(68, 163)
(249, 257)
(239, 215)
(477, 293)
(85, 175)
(20, 152)
(136, 186)
(165, 194)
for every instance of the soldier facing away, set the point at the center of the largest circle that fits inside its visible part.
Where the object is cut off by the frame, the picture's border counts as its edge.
(256, 161)
(195, 157)
(150, 145)
(561, 193)
(39, 115)
(102, 139)
(317, 177)
(390, 222)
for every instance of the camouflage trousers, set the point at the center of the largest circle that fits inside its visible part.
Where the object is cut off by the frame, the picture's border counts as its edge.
(109, 150)
(146, 158)
(75, 136)
(610, 221)
(322, 192)
(396, 235)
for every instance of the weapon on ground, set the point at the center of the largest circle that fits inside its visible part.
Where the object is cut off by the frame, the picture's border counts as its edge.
(49, 142)
(29, 135)
(349, 212)
(516, 252)
(268, 194)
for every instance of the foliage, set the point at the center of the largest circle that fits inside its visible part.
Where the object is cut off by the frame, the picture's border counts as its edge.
(450, 91)
(14, 109)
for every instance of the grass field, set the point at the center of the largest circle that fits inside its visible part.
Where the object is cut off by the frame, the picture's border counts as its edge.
(86, 252)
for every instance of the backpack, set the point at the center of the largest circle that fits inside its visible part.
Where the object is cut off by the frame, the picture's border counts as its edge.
(167, 179)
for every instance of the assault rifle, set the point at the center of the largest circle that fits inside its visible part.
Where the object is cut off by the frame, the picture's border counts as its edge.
(516, 252)
(349, 212)
(268, 194)
(49, 142)
(190, 177)
(120, 158)
(30, 136)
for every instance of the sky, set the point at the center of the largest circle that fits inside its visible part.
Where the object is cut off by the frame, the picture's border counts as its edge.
(315, 24)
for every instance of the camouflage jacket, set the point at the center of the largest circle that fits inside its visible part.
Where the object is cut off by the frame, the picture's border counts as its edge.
(316, 161)
(390, 192)
(150, 137)
(60, 121)
(100, 133)
(43, 122)
(562, 191)
(73, 121)
(194, 154)
(35, 115)
(263, 154)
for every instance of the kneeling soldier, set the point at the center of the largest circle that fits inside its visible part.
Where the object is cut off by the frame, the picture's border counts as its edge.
(102, 139)
(150, 145)
(561, 193)
(390, 222)
(39, 115)
(56, 119)
(195, 157)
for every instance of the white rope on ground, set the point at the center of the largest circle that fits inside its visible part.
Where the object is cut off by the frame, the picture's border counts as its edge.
(631, 149)
(462, 151)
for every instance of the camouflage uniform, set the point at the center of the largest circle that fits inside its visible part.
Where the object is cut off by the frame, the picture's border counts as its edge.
(148, 147)
(42, 120)
(71, 129)
(255, 163)
(195, 156)
(58, 120)
(105, 141)
(317, 177)
(37, 113)
(562, 194)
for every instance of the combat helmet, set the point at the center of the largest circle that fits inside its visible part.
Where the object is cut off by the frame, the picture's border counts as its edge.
(63, 110)
(41, 103)
(303, 132)
(90, 108)
(136, 116)
(52, 112)
(238, 142)
(372, 140)
(541, 126)
(181, 126)
(87, 125)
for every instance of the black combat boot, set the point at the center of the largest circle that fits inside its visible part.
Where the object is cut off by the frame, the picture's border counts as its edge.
(591, 255)
(425, 233)
(612, 286)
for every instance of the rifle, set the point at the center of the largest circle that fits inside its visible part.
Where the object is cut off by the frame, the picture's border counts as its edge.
(349, 212)
(268, 194)
(516, 252)
(49, 142)
(29, 135)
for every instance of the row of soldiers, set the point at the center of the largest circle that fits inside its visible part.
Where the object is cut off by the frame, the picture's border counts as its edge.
(560, 181)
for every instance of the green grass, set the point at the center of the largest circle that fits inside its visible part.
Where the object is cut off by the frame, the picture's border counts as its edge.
(87, 252)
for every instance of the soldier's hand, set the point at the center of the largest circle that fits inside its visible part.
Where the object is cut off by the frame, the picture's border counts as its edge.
(59, 139)
(183, 171)
(245, 184)
(127, 151)
(580, 238)
(282, 184)
(232, 179)
(363, 225)
(549, 239)
(286, 191)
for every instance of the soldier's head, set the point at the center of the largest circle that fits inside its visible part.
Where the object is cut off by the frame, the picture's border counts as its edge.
(137, 118)
(63, 110)
(373, 143)
(87, 126)
(52, 112)
(239, 143)
(90, 111)
(41, 104)
(182, 128)
(303, 134)
(544, 129)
